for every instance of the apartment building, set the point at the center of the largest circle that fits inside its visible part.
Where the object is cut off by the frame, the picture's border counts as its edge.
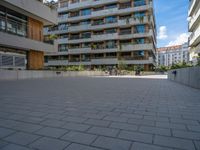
(167, 56)
(194, 29)
(99, 33)
(22, 45)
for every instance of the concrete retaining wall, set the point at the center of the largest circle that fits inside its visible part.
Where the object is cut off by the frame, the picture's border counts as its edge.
(27, 74)
(188, 76)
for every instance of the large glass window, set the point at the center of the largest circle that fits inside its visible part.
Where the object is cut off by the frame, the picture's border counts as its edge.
(139, 3)
(14, 23)
(139, 41)
(2, 18)
(62, 48)
(111, 19)
(111, 6)
(140, 29)
(85, 12)
(139, 14)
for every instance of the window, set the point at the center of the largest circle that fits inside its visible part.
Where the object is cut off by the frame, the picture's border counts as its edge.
(111, 19)
(86, 35)
(139, 41)
(139, 3)
(85, 22)
(15, 23)
(62, 48)
(110, 31)
(111, 6)
(140, 29)
(111, 44)
(85, 12)
(139, 14)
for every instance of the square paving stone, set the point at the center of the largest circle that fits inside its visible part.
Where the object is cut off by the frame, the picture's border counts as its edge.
(76, 126)
(104, 131)
(79, 137)
(136, 136)
(75, 146)
(174, 142)
(21, 138)
(142, 146)
(52, 132)
(2, 144)
(5, 132)
(112, 143)
(14, 147)
(49, 144)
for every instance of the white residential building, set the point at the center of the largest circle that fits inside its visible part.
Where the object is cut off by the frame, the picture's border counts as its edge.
(98, 33)
(167, 56)
(194, 29)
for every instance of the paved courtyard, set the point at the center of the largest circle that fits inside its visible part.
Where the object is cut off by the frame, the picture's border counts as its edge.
(98, 113)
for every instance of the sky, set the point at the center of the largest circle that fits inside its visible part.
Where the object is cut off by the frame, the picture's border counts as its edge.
(171, 20)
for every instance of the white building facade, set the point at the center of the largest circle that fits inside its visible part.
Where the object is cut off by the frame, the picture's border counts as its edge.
(167, 56)
(194, 29)
(97, 33)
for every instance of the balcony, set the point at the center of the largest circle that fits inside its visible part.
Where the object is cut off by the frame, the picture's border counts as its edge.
(62, 41)
(103, 49)
(195, 19)
(62, 18)
(56, 63)
(104, 61)
(108, 12)
(104, 37)
(194, 38)
(138, 61)
(104, 12)
(77, 62)
(136, 34)
(79, 40)
(136, 47)
(79, 50)
(192, 6)
(83, 4)
(36, 9)
(79, 28)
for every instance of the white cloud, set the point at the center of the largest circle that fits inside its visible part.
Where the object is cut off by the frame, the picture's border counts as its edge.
(162, 33)
(181, 39)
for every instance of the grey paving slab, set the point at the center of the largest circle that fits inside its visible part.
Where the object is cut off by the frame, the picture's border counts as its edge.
(14, 147)
(155, 130)
(148, 113)
(76, 126)
(53, 123)
(104, 131)
(186, 134)
(142, 146)
(79, 137)
(174, 142)
(97, 122)
(5, 132)
(2, 144)
(124, 126)
(136, 136)
(46, 143)
(112, 143)
(51, 132)
(75, 146)
(21, 138)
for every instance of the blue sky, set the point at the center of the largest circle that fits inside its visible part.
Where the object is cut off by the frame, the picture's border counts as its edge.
(171, 19)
